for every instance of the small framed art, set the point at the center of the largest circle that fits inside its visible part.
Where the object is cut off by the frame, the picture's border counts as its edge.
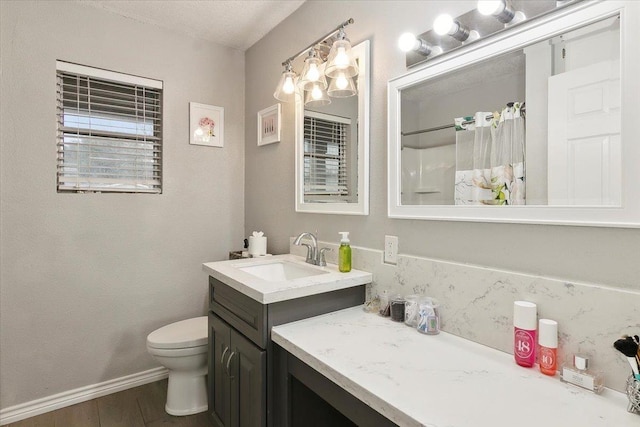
(206, 125)
(269, 125)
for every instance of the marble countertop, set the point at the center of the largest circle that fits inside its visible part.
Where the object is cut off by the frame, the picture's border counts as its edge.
(266, 292)
(441, 380)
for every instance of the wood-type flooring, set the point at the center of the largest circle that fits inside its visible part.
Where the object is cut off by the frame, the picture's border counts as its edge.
(137, 407)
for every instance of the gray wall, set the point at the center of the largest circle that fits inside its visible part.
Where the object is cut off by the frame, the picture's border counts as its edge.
(85, 277)
(600, 255)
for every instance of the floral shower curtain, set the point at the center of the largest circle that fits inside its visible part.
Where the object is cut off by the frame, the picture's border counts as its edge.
(490, 158)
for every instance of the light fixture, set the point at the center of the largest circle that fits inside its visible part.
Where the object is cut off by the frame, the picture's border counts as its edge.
(501, 10)
(341, 67)
(445, 25)
(340, 59)
(468, 27)
(342, 87)
(311, 74)
(286, 89)
(316, 97)
(408, 42)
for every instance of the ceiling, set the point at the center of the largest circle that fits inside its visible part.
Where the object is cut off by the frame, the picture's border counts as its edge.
(234, 23)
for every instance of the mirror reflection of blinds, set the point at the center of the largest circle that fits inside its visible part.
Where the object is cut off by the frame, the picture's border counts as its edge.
(109, 134)
(325, 157)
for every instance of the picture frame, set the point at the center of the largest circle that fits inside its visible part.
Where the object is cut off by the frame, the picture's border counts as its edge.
(269, 123)
(206, 125)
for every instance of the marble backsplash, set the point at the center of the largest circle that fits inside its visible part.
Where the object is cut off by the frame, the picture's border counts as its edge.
(477, 304)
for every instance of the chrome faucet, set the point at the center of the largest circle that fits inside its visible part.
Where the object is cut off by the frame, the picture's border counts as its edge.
(315, 255)
(312, 249)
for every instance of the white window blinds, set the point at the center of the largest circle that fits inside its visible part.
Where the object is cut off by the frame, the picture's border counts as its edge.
(325, 155)
(109, 131)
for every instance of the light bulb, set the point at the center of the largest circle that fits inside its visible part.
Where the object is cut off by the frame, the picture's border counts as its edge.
(342, 59)
(288, 86)
(313, 74)
(443, 24)
(473, 36)
(316, 93)
(341, 81)
(490, 7)
(407, 42)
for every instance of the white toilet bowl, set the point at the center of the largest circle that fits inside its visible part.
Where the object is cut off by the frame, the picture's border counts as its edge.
(181, 347)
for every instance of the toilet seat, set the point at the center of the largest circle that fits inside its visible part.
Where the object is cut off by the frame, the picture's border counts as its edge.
(177, 352)
(184, 334)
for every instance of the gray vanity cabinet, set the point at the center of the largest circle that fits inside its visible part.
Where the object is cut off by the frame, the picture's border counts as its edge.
(241, 380)
(237, 377)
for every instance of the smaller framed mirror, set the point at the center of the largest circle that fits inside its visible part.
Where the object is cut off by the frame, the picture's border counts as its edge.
(332, 149)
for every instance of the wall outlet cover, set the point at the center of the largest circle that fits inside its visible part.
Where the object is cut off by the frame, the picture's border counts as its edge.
(391, 249)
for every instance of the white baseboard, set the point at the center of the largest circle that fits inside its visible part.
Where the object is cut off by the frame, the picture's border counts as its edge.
(78, 395)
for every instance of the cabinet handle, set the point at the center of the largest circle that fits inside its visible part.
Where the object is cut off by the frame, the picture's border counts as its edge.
(233, 353)
(223, 353)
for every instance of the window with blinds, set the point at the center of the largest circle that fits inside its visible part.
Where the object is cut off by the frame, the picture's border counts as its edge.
(109, 131)
(325, 156)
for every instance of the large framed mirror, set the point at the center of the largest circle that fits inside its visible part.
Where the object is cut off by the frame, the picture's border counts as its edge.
(534, 125)
(332, 149)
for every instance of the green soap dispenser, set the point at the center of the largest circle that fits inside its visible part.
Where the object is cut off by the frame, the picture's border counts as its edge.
(344, 253)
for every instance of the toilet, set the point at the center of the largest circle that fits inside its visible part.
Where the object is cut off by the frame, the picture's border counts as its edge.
(181, 347)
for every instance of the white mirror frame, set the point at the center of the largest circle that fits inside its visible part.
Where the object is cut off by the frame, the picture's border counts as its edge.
(628, 214)
(360, 51)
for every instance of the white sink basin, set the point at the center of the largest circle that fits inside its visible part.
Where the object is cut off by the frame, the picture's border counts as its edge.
(282, 277)
(278, 271)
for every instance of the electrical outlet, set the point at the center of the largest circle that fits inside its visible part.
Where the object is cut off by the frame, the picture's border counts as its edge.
(391, 249)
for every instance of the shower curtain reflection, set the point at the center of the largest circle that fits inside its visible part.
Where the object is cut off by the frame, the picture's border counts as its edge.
(490, 158)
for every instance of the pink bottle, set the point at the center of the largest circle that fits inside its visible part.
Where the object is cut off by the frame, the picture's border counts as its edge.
(525, 321)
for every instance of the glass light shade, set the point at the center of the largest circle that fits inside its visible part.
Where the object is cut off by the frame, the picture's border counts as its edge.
(311, 74)
(316, 97)
(341, 60)
(286, 89)
(342, 87)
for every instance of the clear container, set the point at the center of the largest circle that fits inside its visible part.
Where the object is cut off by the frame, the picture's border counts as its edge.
(373, 305)
(429, 316)
(384, 304)
(396, 303)
(411, 310)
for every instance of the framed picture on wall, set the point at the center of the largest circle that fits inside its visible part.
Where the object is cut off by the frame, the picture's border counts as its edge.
(269, 125)
(206, 125)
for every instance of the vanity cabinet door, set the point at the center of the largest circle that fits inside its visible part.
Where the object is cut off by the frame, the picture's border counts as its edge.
(237, 378)
(219, 381)
(248, 383)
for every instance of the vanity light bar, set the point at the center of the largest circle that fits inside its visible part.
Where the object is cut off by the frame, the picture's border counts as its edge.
(467, 28)
(317, 42)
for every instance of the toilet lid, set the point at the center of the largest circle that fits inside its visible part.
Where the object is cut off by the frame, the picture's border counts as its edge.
(182, 334)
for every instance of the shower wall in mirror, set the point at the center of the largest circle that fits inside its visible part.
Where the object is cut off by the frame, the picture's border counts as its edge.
(531, 123)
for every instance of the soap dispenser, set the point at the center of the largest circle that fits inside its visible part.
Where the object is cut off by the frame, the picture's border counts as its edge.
(344, 253)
